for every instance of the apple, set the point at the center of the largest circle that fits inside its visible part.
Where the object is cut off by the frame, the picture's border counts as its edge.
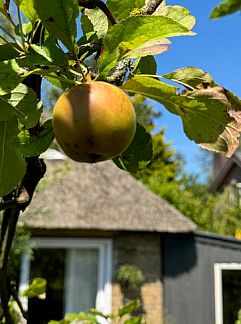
(94, 121)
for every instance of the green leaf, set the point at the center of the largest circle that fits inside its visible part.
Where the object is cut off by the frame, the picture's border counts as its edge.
(36, 288)
(94, 21)
(6, 110)
(207, 114)
(134, 32)
(36, 144)
(130, 307)
(138, 30)
(146, 65)
(24, 103)
(134, 320)
(226, 8)
(27, 7)
(39, 54)
(155, 47)
(26, 29)
(12, 165)
(154, 89)
(87, 28)
(38, 57)
(8, 52)
(228, 141)
(189, 77)
(11, 74)
(138, 154)
(59, 17)
(55, 53)
(178, 14)
(122, 9)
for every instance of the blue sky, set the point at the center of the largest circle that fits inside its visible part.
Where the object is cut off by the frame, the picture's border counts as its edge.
(216, 49)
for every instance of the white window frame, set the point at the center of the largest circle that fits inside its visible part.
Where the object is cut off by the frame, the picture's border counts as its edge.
(104, 246)
(218, 291)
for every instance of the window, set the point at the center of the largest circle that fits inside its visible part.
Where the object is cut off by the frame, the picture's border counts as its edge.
(78, 274)
(227, 281)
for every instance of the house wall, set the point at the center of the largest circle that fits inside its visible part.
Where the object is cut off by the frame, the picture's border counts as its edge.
(233, 176)
(142, 250)
(188, 270)
(219, 161)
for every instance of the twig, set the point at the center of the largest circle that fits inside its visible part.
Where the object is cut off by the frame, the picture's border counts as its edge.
(10, 217)
(150, 7)
(120, 72)
(92, 4)
(16, 298)
(21, 29)
(103, 7)
(6, 6)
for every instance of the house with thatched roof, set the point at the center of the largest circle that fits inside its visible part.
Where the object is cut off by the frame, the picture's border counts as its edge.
(86, 222)
(99, 237)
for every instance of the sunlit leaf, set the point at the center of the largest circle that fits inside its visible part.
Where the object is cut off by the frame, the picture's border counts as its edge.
(36, 288)
(154, 89)
(228, 140)
(155, 47)
(226, 8)
(134, 320)
(189, 76)
(24, 103)
(206, 113)
(27, 7)
(179, 14)
(134, 32)
(59, 17)
(25, 28)
(129, 307)
(122, 9)
(98, 22)
(12, 172)
(138, 154)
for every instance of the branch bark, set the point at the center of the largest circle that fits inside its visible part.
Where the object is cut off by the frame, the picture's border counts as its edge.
(92, 4)
(35, 171)
(120, 72)
(150, 7)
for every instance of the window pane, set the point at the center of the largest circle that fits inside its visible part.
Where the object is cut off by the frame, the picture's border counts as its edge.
(48, 264)
(81, 279)
(231, 281)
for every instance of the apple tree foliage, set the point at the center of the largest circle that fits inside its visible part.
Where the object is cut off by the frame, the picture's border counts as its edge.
(226, 7)
(63, 41)
(78, 38)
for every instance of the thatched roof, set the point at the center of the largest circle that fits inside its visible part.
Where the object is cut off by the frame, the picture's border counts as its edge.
(101, 197)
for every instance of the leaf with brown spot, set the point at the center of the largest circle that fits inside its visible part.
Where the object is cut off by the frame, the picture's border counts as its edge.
(228, 141)
(211, 116)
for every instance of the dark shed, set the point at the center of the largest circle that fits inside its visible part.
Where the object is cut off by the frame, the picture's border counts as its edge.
(202, 278)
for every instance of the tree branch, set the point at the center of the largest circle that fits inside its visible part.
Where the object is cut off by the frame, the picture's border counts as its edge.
(92, 4)
(120, 72)
(21, 197)
(16, 298)
(150, 7)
